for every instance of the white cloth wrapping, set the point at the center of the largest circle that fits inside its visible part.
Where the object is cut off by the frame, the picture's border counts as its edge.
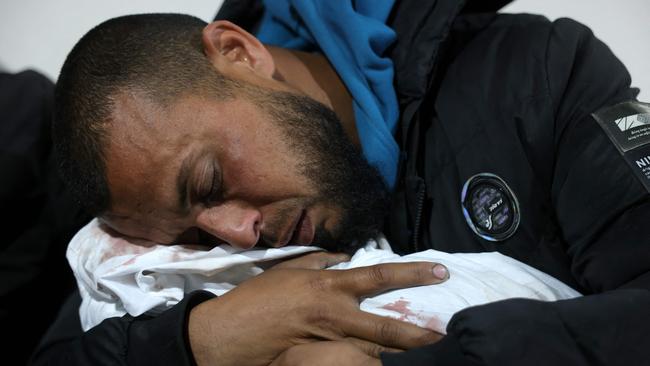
(116, 277)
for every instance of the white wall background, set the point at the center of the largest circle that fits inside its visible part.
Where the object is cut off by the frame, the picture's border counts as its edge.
(38, 34)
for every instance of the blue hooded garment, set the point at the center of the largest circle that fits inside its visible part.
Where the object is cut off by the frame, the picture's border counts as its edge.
(353, 35)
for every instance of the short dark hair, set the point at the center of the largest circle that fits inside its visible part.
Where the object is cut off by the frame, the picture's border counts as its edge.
(160, 55)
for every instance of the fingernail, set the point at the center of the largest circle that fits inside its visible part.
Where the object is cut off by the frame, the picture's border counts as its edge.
(440, 271)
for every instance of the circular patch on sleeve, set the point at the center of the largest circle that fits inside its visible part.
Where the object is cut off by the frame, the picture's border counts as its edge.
(490, 207)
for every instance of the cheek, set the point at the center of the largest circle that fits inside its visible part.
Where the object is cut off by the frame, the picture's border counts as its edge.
(265, 179)
(260, 165)
(244, 175)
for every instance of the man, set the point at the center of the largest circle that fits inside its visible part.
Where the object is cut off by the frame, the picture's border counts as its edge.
(240, 143)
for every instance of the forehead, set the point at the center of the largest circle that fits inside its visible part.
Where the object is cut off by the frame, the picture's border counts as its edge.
(147, 144)
(137, 122)
(146, 139)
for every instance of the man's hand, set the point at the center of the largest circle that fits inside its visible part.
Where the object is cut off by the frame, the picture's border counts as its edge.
(283, 307)
(329, 353)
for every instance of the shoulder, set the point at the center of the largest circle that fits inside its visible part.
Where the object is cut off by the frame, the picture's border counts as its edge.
(514, 35)
(525, 55)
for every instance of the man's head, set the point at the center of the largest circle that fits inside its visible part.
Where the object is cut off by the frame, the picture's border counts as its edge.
(174, 131)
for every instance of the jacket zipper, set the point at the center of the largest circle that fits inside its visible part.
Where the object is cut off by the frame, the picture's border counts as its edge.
(418, 220)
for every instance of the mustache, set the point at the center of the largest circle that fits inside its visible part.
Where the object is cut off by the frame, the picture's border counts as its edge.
(276, 225)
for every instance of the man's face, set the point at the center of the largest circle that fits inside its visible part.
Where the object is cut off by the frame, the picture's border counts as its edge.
(274, 169)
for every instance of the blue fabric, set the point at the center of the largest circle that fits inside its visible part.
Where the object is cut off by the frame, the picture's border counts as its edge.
(353, 35)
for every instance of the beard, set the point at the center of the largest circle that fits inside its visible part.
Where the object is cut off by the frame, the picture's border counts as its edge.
(331, 163)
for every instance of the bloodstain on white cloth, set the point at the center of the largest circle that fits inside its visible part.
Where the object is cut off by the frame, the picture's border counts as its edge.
(401, 306)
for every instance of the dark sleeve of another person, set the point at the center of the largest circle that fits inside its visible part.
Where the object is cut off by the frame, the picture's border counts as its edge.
(38, 215)
(128, 340)
(604, 214)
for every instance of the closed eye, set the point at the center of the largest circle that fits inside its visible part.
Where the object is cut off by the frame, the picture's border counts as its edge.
(213, 194)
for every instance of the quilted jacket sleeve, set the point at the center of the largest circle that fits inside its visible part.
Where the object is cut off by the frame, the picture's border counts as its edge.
(127, 340)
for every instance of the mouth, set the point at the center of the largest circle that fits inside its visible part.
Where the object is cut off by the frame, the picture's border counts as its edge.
(302, 232)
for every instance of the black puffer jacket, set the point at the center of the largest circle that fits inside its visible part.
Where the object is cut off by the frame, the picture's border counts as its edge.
(513, 96)
(481, 93)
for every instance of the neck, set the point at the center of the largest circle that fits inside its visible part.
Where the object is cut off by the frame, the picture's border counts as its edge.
(313, 75)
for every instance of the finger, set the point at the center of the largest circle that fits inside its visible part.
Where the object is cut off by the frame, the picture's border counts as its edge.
(369, 348)
(371, 280)
(317, 260)
(386, 331)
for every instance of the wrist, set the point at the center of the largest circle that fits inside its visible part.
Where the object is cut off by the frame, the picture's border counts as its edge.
(197, 331)
(198, 327)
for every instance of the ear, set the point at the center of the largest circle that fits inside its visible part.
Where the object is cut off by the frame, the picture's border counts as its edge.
(224, 42)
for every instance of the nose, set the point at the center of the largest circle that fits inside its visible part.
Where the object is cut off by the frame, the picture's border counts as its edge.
(236, 223)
